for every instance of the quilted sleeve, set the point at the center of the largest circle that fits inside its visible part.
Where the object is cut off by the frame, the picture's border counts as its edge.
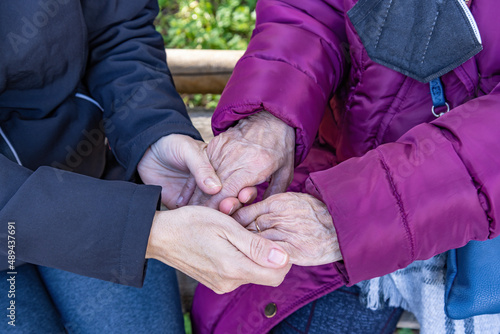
(292, 65)
(435, 189)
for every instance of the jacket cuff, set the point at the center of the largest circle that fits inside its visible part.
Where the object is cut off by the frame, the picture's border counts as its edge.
(352, 191)
(143, 205)
(388, 215)
(297, 100)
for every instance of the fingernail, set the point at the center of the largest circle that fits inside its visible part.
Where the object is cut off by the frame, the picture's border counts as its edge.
(247, 199)
(179, 201)
(211, 183)
(277, 257)
(232, 210)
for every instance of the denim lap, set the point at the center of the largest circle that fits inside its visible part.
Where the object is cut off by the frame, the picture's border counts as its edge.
(340, 312)
(88, 305)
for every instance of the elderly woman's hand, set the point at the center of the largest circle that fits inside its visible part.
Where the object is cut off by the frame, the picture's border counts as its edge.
(259, 148)
(300, 223)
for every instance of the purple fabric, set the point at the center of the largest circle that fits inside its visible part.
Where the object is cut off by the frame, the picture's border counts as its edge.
(297, 88)
(400, 185)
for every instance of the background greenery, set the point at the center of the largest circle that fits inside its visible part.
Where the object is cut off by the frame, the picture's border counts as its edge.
(206, 24)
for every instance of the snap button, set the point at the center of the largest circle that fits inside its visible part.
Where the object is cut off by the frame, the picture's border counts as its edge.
(270, 310)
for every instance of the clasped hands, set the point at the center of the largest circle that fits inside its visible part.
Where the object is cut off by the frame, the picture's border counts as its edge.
(259, 242)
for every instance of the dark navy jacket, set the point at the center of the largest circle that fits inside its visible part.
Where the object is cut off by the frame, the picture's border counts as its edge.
(73, 72)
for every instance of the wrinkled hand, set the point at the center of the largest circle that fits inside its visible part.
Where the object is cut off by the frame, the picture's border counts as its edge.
(259, 148)
(171, 161)
(300, 223)
(215, 250)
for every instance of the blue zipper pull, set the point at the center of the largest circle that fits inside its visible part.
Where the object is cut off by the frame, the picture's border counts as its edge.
(438, 99)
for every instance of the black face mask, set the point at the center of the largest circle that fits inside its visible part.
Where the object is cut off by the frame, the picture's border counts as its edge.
(422, 39)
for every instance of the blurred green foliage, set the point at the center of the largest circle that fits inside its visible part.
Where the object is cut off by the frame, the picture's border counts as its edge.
(207, 101)
(206, 24)
(188, 328)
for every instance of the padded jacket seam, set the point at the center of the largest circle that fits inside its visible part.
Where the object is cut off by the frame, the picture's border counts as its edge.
(474, 180)
(399, 202)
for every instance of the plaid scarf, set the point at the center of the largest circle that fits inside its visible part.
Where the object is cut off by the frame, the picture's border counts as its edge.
(419, 289)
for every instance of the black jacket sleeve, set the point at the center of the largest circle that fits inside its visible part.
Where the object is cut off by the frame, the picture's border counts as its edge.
(76, 223)
(128, 75)
(89, 226)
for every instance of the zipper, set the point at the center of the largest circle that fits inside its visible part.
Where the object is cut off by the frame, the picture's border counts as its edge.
(470, 18)
(11, 148)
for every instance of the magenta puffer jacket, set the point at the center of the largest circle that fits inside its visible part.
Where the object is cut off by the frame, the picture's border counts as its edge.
(400, 184)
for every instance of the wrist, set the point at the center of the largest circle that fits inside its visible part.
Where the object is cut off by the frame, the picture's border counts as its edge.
(254, 126)
(151, 249)
(157, 241)
(264, 117)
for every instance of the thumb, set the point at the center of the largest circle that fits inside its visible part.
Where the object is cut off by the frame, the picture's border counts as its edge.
(200, 167)
(262, 251)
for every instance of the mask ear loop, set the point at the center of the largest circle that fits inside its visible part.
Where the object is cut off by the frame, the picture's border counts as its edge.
(438, 99)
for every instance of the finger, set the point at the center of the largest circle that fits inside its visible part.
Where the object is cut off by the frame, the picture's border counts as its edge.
(254, 273)
(247, 195)
(268, 221)
(186, 192)
(269, 277)
(233, 185)
(200, 198)
(248, 214)
(279, 182)
(295, 256)
(260, 250)
(264, 223)
(202, 170)
(252, 227)
(280, 238)
(229, 205)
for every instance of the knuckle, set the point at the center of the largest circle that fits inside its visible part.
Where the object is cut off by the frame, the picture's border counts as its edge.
(226, 287)
(276, 279)
(231, 188)
(275, 206)
(269, 159)
(205, 168)
(284, 197)
(212, 202)
(200, 146)
(277, 282)
(257, 247)
(281, 201)
(267, 156)
(221, 287)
